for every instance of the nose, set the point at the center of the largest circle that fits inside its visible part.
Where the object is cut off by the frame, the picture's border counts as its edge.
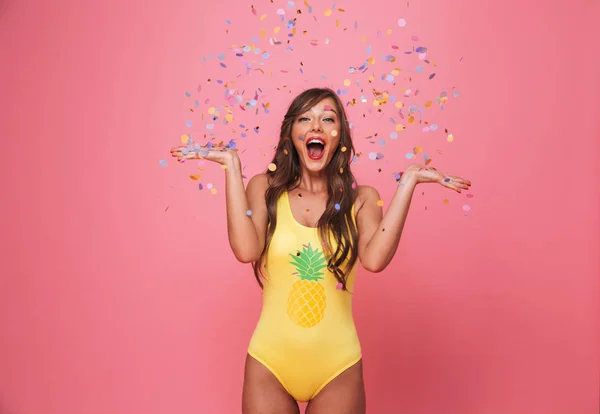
(316, 125)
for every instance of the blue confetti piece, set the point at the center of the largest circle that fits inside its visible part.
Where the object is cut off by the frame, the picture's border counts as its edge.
(200, 186)
(394, 135)
(248, 213)
(243, 135)
(221, 56)
(421, 49)
(409, 155)
(211, 57)
(196, 103)
(419, 69)
(301, 71)
(163, 163)
(228, 21)
(210, 127)
(188, 94)
(446, 180)
(389, 78)
(188, 124)
(246, 49)
(337, 206)
(455, 94)
(309, 9)
(372, 155)
(369, 49)
(397, 176)
(433, 127)
(265, 55)
(290, 4)
(223, 65)
(382, 142)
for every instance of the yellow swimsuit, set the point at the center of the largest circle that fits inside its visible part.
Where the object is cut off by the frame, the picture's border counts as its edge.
(305, 335)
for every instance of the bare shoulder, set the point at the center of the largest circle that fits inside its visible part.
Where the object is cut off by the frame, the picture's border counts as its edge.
(259, 183)
(365, 193)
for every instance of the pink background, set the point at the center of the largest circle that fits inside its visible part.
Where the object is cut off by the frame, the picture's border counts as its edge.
(109, 304)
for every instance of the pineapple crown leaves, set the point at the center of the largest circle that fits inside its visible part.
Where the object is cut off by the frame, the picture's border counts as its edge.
(309, 263)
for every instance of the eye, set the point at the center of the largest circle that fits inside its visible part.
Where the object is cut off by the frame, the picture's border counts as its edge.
(329, 120)
(303, 119)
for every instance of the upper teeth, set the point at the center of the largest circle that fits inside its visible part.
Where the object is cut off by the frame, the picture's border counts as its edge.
(316, 141)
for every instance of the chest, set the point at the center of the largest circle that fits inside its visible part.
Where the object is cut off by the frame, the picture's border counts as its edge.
(306, 208)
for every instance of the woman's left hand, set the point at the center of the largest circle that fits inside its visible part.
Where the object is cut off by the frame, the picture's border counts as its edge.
(424, 174)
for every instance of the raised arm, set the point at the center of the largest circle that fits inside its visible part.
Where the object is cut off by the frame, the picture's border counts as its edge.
(378, 234)
(246, 209)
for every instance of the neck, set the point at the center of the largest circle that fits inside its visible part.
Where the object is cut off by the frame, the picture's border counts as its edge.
(314, 182)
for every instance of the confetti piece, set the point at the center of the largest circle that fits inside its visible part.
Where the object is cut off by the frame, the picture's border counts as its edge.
(401, 22)
(337, 206)
(339, 286)
(334, 133)
(327, 12)
(213, 191)
(195, 177)
(380, 203)
(466, 207)
(272, 167)
(248, 213)
(163, 163)
(470, 196)
(450, 138)
(446, 201)
(344, 149)
(166, 209)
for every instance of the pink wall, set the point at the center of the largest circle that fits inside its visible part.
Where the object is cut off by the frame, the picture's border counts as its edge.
(109, 304)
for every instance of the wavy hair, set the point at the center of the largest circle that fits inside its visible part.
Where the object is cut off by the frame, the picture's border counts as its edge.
(340, 190)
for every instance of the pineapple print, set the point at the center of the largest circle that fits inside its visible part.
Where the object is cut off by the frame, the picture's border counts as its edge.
(307, 301)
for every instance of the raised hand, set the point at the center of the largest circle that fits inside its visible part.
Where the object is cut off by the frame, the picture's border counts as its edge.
(424, 174)
(221, 154)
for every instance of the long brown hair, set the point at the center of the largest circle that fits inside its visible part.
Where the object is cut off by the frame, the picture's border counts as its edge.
(339, 188)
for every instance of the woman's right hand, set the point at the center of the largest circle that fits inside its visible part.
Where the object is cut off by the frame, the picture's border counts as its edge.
(218, 154)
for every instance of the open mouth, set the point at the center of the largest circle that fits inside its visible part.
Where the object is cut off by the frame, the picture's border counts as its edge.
(315, 148)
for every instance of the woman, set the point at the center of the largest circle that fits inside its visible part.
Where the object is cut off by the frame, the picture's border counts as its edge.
(303, 225)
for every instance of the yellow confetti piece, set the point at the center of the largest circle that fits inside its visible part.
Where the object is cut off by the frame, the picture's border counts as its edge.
(263, 17)
(185, 138)
(411, 119)
(327, 12)
(224, 166)
(337, 23)
(380, 203)
(211, 110)
(450, 138)
(363, 38)
(446, 201)
(344, 149)
(306, 3)
(396, 72)
(262, 33)
(334, 133)
(371, 62)
(272, 167)
(347, 82)
(213, 190)
(195, 177)
(375, 103)
(418, 150)
(285, 152)
(399, 127)
(428, 104)
(399, 104)
(276, 30)
(229, 117)
(389, 31)
(341, 170)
